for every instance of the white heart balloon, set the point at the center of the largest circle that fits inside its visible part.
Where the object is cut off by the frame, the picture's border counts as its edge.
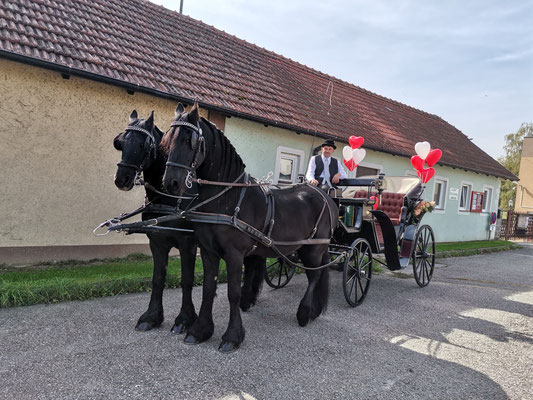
(422, 149)
(347, 153)
(359, 155)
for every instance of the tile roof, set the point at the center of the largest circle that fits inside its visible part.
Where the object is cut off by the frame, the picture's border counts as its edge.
(139, 43)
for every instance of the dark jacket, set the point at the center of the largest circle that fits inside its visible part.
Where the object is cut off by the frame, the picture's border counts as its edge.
(333, 167)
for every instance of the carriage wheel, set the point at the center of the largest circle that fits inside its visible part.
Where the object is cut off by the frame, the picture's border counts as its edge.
(423, 256)
(278, 273)
(357, 272)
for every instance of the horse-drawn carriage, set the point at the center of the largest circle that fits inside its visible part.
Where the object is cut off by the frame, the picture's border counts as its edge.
(238, 219)
(378, 215)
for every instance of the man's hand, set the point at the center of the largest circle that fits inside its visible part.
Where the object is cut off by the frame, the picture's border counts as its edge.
(313, 182)
(336, 178)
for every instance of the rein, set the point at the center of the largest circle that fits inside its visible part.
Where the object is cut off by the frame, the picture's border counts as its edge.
(215, 183)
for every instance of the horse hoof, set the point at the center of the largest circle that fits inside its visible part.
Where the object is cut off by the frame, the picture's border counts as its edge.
(143, 327)
(303, 316)
(190, 339)
(228, 347)
(178, 329)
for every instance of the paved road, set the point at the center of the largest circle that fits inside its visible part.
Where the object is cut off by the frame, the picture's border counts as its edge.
(469, 334)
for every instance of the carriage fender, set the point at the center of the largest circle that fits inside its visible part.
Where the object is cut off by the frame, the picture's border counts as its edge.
(389, 239)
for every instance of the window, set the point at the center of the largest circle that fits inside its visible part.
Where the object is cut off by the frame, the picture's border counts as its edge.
(439, 193)
(364, 171)
(464, 201)
(487, 198)
(288, 165)
(287, 168)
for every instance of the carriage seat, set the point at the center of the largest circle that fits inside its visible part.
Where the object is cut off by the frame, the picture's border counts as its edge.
(393, 199)
(391, 204)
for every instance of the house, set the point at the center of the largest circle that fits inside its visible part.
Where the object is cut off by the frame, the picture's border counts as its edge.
(72, 71)
(524, 193)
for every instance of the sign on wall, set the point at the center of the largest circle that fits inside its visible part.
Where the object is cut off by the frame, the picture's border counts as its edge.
(476, 205)
(454, 194)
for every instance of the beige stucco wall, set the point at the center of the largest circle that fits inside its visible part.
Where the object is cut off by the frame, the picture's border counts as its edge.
(524, 192)
(58, 161)
(57, 156)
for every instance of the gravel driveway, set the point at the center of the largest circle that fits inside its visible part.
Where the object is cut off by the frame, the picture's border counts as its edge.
(469, 334)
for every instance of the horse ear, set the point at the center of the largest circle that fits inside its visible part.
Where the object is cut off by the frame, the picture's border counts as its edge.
(133, 117)
(194, 114)
(179, 110)
(116, 142)
(150, 121)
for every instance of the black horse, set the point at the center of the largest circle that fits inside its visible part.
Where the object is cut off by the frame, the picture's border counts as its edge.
(139, 144)
(197, 147)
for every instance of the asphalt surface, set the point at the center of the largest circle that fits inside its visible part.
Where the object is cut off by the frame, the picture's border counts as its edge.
(469, 334)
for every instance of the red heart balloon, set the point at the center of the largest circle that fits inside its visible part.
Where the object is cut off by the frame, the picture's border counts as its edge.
(426, 174)
(356, 141)
(417, 162)
(433, 156)
(350, 164)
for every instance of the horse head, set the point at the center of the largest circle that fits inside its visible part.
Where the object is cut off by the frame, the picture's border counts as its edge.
(139, 148)
(186, 149)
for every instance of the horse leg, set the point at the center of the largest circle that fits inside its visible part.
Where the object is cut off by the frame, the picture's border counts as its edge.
(315, 299)
(234, 335)
(202, 329)
(153, 317)
(254, 269)
(187, 247)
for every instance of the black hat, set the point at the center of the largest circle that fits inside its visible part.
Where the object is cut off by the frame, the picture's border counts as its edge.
(329, 142)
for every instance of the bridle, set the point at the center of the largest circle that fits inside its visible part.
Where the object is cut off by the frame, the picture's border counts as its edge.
(197, 145)
(150, 143)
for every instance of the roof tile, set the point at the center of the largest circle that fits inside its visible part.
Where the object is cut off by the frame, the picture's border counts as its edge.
(145, 44)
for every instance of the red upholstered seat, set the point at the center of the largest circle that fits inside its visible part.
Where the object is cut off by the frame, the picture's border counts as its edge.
(391, 204)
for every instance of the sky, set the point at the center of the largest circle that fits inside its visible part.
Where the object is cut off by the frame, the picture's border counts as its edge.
(470, 61)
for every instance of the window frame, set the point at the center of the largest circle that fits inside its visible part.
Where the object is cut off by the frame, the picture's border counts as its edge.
(377, 167)
(444, 194)
(470, 186)
(489, 200)
(290, 153)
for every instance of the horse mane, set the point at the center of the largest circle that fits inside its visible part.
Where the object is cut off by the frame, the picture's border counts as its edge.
(227, 152)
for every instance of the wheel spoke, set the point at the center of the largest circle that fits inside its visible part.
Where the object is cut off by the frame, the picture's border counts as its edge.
(361, 286)
(420, 271)
(350, 278)
(279, 274)
(353, 267)
(352, 287)
(365, 265)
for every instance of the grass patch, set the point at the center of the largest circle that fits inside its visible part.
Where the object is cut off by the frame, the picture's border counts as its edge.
(476, 244)
(75, 280)
(53, 283)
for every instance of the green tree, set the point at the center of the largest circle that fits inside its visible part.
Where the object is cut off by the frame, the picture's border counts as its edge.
(511, 161)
